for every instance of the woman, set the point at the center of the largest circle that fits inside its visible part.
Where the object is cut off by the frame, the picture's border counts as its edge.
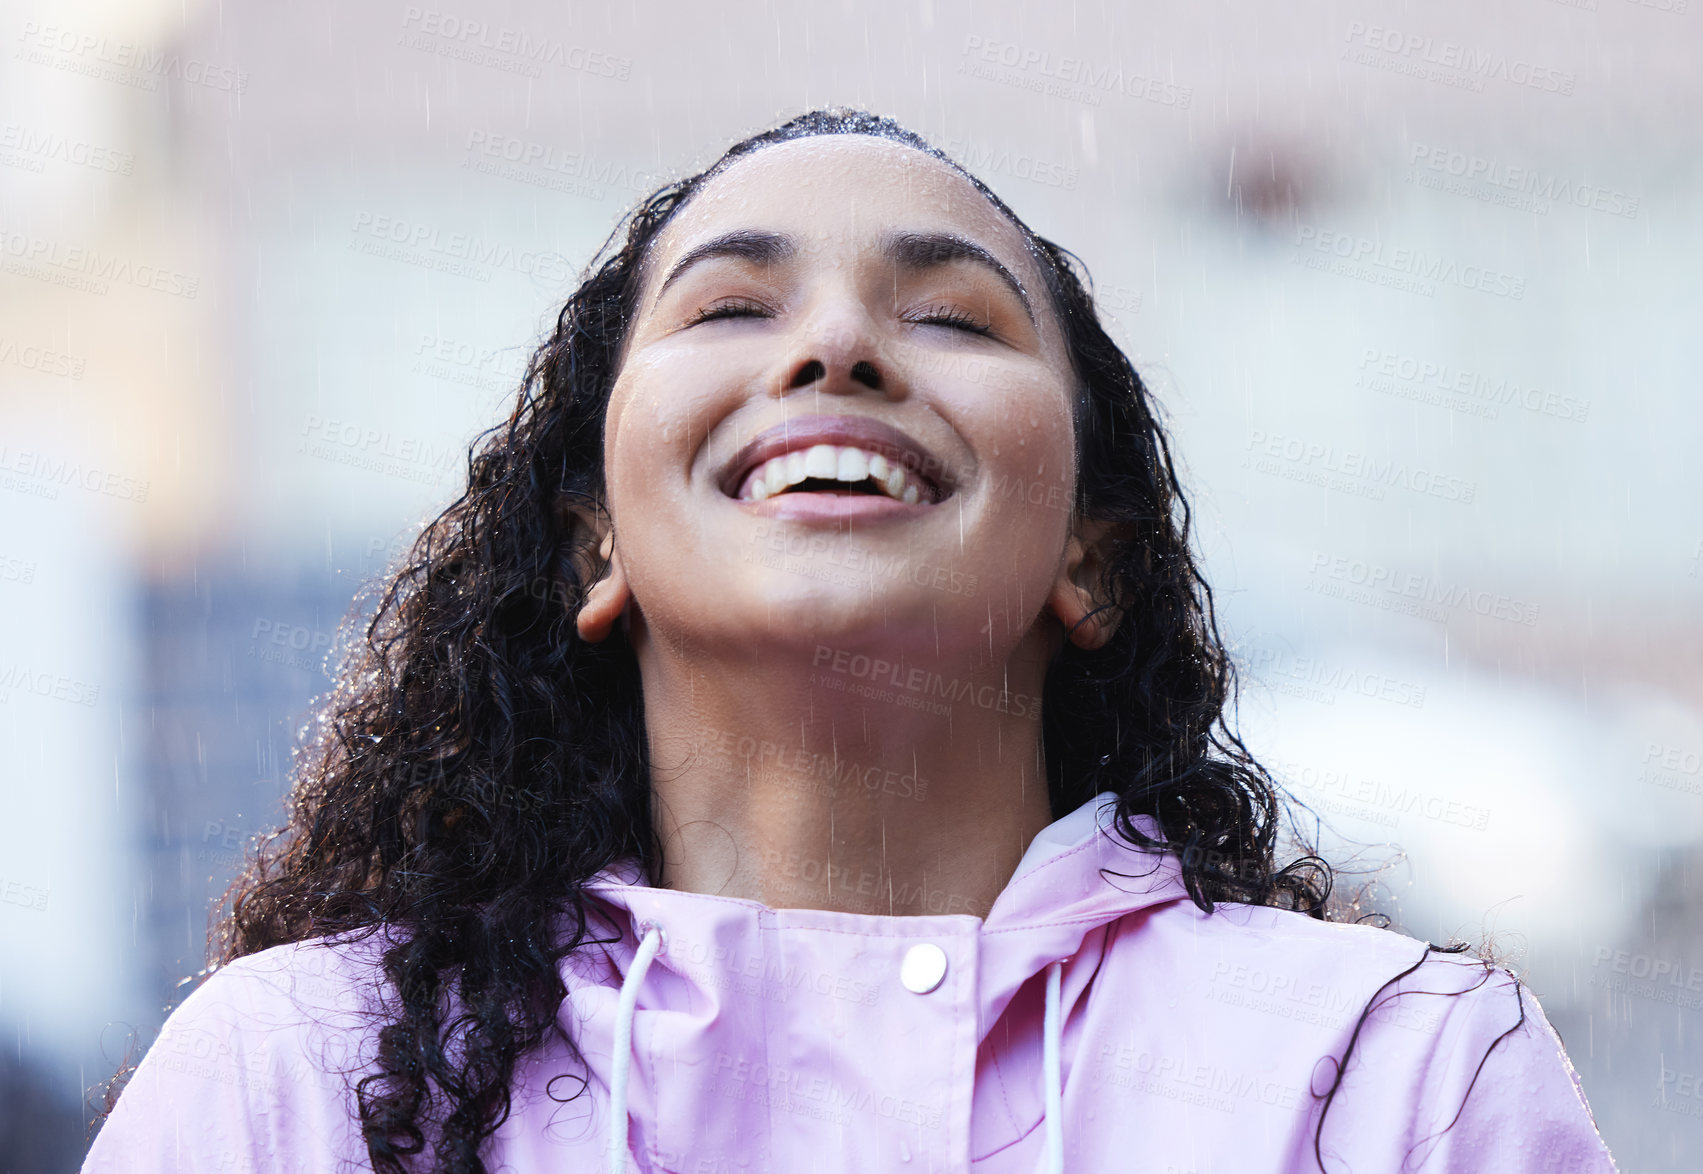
(802, 749)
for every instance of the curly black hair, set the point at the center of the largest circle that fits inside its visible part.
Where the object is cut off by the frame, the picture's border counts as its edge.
(478, 762)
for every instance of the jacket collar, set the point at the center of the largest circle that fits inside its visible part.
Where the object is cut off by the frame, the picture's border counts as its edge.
(1077, 875)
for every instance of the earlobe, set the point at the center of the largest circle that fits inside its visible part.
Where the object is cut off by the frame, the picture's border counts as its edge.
(1087, 623)
(608, 597)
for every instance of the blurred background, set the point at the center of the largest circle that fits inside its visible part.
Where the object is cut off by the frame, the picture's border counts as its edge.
(1417, 286)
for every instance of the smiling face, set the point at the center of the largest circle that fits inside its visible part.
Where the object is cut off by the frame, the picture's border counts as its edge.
(843, 416)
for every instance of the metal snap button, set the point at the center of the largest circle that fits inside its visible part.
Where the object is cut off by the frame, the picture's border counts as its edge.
(924, 968)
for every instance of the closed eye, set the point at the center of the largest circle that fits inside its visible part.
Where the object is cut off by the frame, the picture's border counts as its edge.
(953, 317)
(731, 308)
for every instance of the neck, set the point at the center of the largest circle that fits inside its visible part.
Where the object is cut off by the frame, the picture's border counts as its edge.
(847, 781)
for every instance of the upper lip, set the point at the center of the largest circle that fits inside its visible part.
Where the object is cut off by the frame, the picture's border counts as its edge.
(850, 431)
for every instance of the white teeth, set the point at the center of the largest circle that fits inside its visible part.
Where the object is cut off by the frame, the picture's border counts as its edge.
(854, 466)
(822, 461)
(829, 462)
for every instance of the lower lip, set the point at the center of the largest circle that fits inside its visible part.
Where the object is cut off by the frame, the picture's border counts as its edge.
(835, 507)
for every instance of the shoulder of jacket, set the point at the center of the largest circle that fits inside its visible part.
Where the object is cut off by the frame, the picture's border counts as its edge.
(327, 982)
(1262, 926)
(1255, 946)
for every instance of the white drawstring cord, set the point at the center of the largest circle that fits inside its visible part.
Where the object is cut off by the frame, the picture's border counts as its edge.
(652, 945)
(1052, 1031)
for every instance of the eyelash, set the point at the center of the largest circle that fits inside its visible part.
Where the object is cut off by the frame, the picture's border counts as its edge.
(955, 318)
(747, 308)
(732, 308)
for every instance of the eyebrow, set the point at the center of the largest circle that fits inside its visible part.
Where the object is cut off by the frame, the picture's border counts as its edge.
(747, 244)
(914, 251)
(918, 251)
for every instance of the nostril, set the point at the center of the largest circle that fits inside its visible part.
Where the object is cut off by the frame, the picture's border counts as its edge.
(807, 374)
(866, 374)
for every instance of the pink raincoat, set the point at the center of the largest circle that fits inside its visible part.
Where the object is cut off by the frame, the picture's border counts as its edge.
(1095, 1021)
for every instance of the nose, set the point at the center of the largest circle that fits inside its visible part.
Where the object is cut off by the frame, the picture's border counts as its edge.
(863, 372)
(836, 352)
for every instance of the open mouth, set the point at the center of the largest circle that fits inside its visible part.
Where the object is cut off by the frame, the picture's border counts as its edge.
(837, 456)
(836, 469)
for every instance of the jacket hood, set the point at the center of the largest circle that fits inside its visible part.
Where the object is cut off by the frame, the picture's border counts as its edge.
(803, 1008)
(1077, 875)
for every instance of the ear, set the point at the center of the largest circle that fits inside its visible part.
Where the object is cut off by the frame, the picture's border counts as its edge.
(1073, 597)
(609, 596)
(607, 592)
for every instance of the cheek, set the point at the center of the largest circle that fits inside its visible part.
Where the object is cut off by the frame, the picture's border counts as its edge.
(643, 414)
(657, 414)
(1027, 439)
(643, 458)
(668, 403)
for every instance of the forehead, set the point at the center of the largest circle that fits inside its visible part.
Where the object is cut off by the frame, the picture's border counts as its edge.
(843, 190)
